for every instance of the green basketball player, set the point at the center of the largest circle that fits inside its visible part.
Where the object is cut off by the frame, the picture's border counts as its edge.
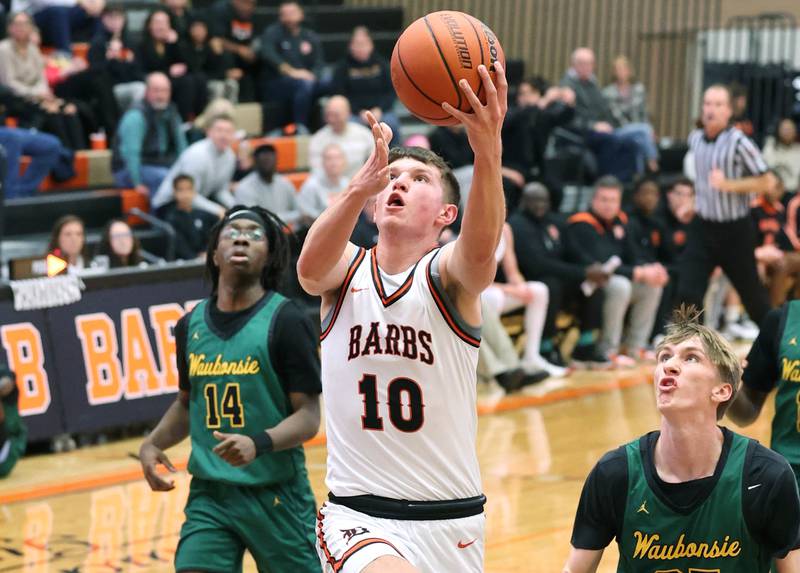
(249, 397)
(774, 361)
(13, 434)
(692, 496)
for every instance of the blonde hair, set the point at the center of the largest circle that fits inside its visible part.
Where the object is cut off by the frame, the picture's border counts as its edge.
(685, 325)
(627, 61)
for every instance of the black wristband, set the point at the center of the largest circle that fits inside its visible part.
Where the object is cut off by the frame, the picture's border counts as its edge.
(263, 443)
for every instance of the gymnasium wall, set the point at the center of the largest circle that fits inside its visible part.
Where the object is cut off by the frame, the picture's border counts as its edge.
(660, 37)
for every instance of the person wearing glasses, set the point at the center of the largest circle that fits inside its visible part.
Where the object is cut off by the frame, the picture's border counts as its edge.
(249, 385)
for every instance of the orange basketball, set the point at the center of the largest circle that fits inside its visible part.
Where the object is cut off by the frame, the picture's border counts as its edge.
(433, 54)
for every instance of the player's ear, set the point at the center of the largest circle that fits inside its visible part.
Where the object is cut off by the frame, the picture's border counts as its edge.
(448, 214)
(722, 392)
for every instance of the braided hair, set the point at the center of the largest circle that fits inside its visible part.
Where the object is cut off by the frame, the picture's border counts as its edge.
(278, 247)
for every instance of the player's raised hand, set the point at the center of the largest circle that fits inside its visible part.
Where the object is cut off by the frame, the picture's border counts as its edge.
(236, 449)
(486, 121)
(373, 177)
(150, 456)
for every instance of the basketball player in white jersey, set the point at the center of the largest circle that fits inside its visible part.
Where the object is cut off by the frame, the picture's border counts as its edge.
(400, 337)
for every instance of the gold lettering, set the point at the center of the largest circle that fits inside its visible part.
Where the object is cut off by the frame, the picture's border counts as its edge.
(199, 366)
(648, 547)
(790, 370)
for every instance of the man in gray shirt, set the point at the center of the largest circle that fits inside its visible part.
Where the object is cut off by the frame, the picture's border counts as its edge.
(267, 189)
(211, 163)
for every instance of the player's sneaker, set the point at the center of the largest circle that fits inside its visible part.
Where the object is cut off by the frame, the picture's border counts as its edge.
(554, 357)
(539, 363)
(514, 380)
(589, 356)
(623, 361)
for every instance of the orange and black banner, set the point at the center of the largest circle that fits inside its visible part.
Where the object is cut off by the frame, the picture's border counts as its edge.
(105, 361)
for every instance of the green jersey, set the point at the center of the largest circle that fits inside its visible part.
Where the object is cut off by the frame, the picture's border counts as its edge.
(16, 434)
(235, 389)
(786, 423)
(711, 537)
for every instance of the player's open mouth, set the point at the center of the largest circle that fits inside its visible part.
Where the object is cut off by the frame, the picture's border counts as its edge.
(667, 384)
(395, 200)
(239, 256)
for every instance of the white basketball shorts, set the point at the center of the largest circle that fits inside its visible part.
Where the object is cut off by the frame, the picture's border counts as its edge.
(348, 541)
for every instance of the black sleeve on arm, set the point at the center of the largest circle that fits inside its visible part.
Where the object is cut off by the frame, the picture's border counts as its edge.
(181, 336)
(293, 350)
(602, 506)
(770, 504)
(762, 370)
(579, 239)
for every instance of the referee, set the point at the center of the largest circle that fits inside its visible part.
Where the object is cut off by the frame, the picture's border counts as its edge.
(729, 173)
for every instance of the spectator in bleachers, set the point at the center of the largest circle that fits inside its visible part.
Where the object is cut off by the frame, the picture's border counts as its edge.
(777, 262)
(60, 19)
(541, 255)
(22, 70)
(89, 90)
(162, 51)
(149, 139)
(741, 115)
(627, 99)
(616, 151)
(232, 22)
(649, 232)
(321, 188)
(180, 16)
(675, 218)
(364, 78)
(211, 163)
(293, 61)
(597, 235)
(206, 57)
(13, 433)
(782, 153)
(510, 291)
(652, 240)
(110, 52)
(528, 127)
(354, 139)
(268, 189)
(42, 148)
(118, 246)
(68, 242)
(192, 225)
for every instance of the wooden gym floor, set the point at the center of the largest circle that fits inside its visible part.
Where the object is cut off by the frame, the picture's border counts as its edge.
(90, 510)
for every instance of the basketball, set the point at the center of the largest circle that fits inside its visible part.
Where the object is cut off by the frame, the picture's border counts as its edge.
(433, 54)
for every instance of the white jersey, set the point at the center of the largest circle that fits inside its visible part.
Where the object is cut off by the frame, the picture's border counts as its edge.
(399, 382)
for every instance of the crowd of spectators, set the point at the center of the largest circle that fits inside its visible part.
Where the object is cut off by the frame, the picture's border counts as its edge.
(165, 103)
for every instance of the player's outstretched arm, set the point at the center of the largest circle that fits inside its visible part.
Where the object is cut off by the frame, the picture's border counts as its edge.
(322, 265)
(583, 560)
(172, 429)
(471, 263)
(747, 405)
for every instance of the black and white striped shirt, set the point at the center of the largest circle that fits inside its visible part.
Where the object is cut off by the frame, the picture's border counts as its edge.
(738, 157)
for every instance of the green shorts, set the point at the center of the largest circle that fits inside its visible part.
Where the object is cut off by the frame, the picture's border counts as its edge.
(10, 453)
(275, 523)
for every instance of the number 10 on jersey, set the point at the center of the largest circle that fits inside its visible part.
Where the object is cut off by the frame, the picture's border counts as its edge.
(406, 408)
